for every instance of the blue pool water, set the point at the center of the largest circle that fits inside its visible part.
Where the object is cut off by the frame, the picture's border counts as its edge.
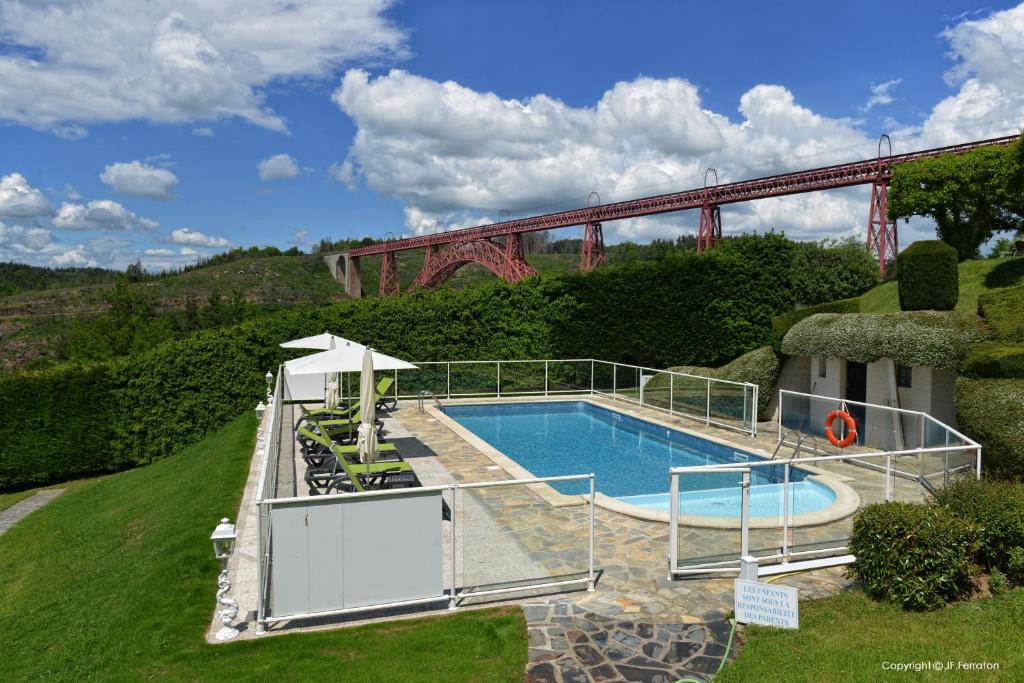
(631, 457)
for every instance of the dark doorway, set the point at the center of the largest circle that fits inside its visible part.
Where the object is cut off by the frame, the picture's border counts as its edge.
(857, 390)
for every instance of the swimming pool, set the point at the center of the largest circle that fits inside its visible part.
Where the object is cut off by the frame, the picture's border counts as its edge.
(631, 457)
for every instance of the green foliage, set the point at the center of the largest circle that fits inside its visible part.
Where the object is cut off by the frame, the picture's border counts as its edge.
(928, 277)
(997, 582)
(781, 324)
(832, 269)
(995, 360)
(760, 366)
(1003, 310)
(996, 508)
(969, 196)
(919, 556)
(701, 309)
(915, 338)
(21, 277)
(1015, 566)
(989, 411)
(57, 425)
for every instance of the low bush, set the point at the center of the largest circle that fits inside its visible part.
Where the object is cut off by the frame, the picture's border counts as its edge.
(1002, 311)
(919, 556)
(995, 360)
(1015, 566)
(989, 411)
(918, 338)
(997, 582)
(832, 269)
(781, 324)
(927, 276)
(996, 508)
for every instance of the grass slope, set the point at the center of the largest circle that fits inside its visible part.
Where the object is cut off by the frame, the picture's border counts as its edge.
(976, 278)
(849, 636)
(114, 580)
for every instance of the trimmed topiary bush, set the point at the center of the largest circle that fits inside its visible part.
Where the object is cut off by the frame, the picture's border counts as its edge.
(1002, 311)
(996, 508)
(927, 276)
(995, 360)
(781, 324)
(920, 556)
(920, 338)
(990, 412)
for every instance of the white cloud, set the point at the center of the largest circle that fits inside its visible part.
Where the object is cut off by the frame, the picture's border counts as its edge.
(344, 173)
(988, 55)
(173, 61)
(881, 94)
(101, 214)
(19, 200)
(74, 257)
(18, 239)
(203, 132)
(278, 167)
(139, 180)
(158, 252)
(449, 152)
(196, 238)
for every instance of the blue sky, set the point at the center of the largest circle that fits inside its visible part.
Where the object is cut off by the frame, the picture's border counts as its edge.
(134, 131)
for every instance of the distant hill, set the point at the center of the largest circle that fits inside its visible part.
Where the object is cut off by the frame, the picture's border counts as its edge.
(21, 277)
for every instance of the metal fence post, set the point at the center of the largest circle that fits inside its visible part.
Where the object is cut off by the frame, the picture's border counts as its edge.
(545, 378)
(591, 376)
(673, 522)
(451, 602)
(785, 513)
(978, 466)
(615, 380)
(707, 409)
(745, 515)
(590, 575)
(499, 379)
(671, 394)
(449, 391)
(888, 477)
(756, 400)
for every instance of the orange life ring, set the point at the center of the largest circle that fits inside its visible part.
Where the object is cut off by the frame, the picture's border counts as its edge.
(851, 428)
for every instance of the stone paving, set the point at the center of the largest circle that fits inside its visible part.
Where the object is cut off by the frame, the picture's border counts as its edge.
(23, 508)
(571, 644)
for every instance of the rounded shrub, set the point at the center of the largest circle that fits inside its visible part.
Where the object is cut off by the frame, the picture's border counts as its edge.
(927, 275)
(996, 508)
(995, 360)
(989, 411)
(917, 555)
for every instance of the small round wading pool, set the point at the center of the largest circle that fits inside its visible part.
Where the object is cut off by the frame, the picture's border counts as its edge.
(631, 458)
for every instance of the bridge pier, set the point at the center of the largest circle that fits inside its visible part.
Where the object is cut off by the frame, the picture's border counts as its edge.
(710, 230)
(592, 252)
(389, 275)
(353, 281)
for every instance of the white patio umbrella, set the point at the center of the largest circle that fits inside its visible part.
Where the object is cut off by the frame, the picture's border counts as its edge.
(348, 358)
(322, 342)
(366, 441)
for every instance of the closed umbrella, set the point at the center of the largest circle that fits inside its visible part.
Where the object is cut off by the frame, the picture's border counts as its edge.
(367, 434)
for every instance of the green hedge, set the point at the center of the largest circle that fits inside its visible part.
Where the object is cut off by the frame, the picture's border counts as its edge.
(694, 309)
(917, 555)
(781, 324)
(918, 338)
(1003, 310)
(996, 508)
(57, 425)
(760, 366)
(990, 412)
(995, 360)
(928, 277)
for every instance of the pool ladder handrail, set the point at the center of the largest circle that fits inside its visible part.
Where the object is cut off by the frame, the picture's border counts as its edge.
(801, 436)
(427, 393)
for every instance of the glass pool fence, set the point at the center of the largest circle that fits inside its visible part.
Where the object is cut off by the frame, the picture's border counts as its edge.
(723, 403)
(769, 524)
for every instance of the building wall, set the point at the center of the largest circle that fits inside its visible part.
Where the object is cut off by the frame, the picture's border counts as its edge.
(795, 375)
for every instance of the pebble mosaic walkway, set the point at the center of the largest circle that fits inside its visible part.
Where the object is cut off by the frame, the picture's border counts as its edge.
(23, 508)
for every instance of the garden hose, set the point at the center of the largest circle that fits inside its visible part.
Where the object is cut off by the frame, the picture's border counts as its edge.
(728, 646)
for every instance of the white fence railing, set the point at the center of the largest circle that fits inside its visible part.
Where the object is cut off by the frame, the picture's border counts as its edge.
(269, 439)
(879, 429)
(723, 403)
(389, 549)
(777, 532)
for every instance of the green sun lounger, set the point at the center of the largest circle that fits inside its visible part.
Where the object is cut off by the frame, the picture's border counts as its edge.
(327, 447)
(346, 413)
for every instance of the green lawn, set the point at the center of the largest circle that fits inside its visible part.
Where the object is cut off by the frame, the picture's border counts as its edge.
(849, 636)
(9, 499)
(976, 277)
(115, 580)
